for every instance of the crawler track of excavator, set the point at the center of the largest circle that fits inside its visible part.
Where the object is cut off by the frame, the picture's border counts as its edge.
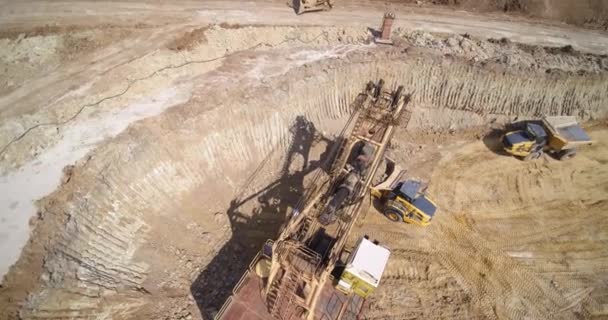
(299, 284)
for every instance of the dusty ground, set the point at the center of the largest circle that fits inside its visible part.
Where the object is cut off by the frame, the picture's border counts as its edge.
(168, 141)
(513, 240)
(589, 13)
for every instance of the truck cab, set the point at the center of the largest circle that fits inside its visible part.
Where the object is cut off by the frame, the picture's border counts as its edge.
(403, 200)
(524, 142)
(406, 203)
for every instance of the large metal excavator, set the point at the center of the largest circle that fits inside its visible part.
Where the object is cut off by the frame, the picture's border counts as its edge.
(309, 271)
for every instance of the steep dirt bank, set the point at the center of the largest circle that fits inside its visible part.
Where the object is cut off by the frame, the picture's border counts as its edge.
(172, 201)
(555, 75)
(588, 13)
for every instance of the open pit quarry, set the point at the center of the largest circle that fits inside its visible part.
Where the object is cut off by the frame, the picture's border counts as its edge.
(148, 150)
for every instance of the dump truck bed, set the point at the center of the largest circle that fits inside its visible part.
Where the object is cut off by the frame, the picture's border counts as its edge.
(565, 132)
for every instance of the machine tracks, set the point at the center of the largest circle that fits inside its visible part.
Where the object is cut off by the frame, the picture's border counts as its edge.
(416, 283)
(514, 244)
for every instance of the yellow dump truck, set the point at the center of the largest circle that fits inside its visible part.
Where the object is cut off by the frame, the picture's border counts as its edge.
(559, 136)
(403, 200)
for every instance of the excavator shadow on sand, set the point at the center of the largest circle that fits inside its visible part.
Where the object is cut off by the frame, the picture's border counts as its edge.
(257, 216)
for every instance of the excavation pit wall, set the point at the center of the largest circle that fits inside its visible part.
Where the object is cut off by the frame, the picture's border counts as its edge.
(142, 219)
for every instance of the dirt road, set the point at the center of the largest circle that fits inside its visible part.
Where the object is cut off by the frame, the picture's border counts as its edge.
(24, 14)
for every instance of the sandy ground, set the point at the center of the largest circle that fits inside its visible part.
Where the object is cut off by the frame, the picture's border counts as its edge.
(512, 240)
(176, 129)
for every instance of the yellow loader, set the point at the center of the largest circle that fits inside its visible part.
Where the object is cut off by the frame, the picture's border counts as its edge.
(558, 136)
(404, 200)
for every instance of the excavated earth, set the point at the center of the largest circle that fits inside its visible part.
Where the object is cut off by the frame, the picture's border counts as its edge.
(158, 179)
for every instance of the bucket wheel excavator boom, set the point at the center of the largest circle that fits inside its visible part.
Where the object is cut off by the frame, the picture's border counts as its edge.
(292, 277)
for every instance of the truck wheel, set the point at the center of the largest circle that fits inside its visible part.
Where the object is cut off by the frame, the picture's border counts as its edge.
(533, 155)
(393, 215)
(298, 5)
(567, 154)
(396, 96)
